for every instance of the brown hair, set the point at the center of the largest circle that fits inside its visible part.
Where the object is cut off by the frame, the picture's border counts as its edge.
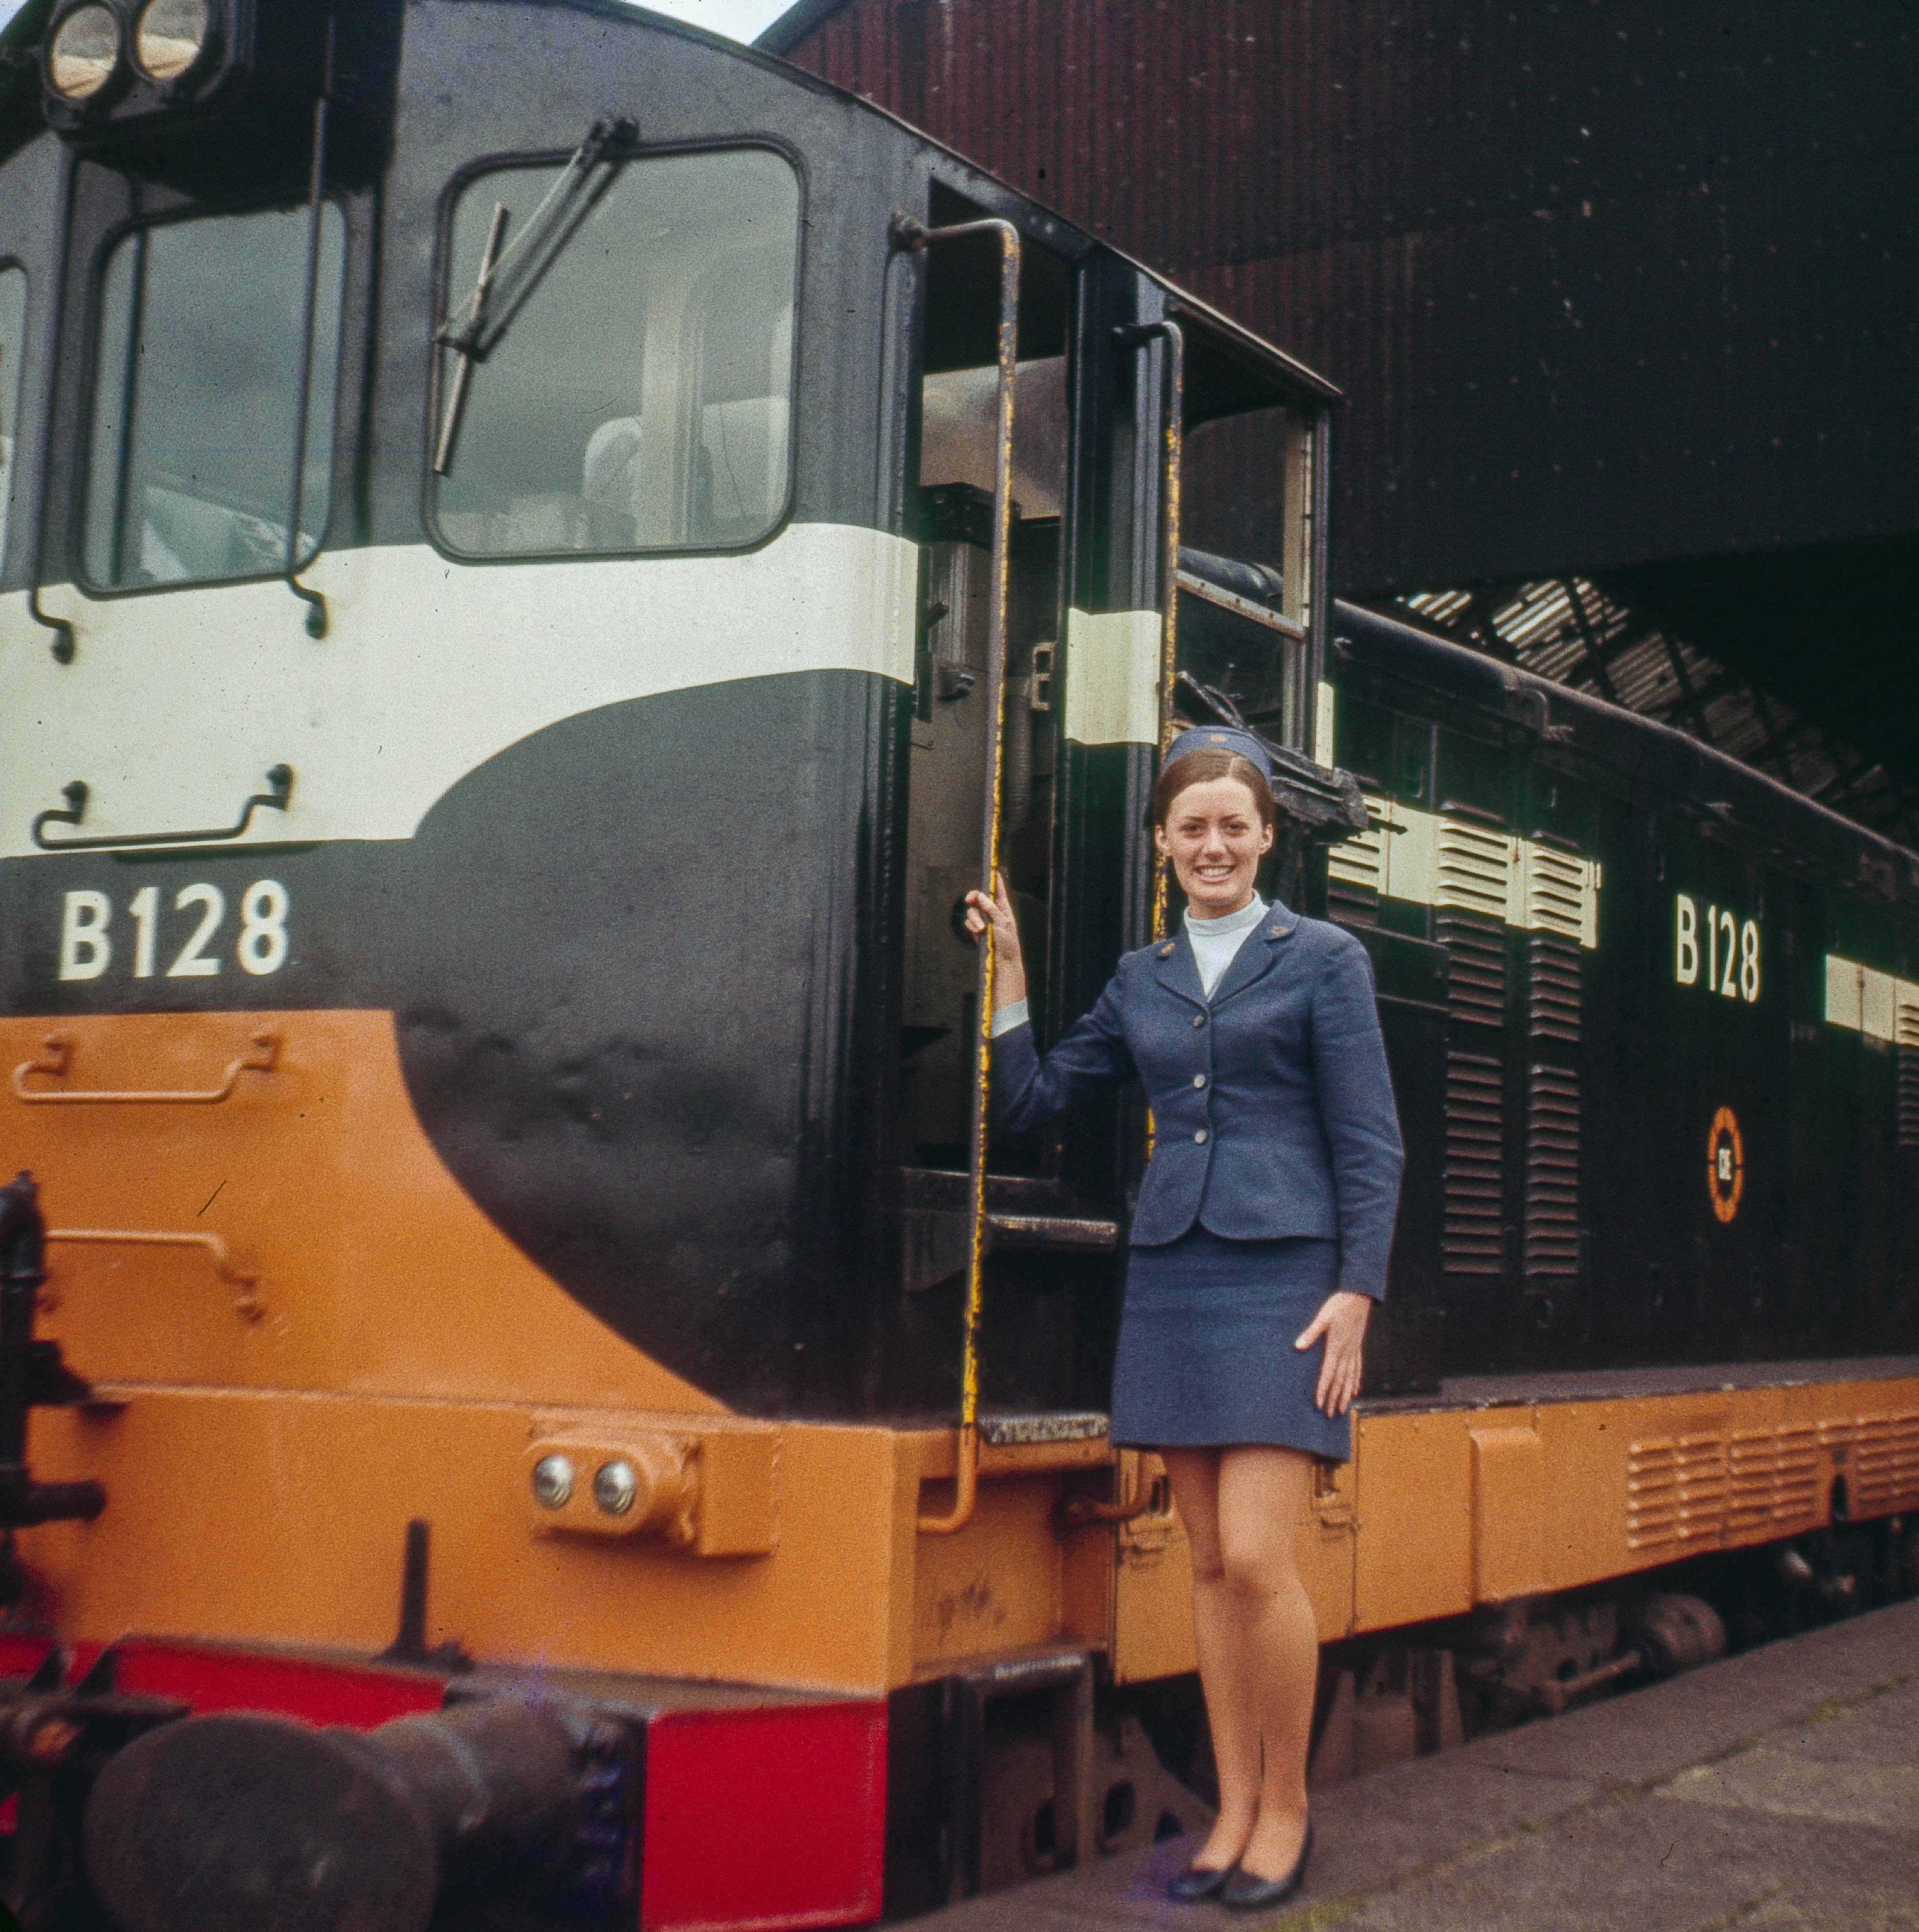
(1202, 768)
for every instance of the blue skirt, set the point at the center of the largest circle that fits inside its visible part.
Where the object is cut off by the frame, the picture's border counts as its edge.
(1206, 1357)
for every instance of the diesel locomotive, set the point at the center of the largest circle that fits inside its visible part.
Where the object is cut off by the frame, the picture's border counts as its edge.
(543, 553)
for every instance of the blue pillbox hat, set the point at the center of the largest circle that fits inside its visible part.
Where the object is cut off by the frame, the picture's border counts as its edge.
(1220, 738)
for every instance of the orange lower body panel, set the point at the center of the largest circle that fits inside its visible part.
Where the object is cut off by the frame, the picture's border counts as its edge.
(1460, 1506)
(310, 1335)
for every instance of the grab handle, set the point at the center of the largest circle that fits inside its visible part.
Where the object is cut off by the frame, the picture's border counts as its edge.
(280, 782)
(262, 1055)
(1172, 410)
(915, 235)
(247, 1304)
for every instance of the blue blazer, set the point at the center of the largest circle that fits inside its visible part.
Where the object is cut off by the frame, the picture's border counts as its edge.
(1272, 1110)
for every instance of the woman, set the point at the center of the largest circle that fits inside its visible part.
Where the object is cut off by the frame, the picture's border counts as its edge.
(1258, 1245)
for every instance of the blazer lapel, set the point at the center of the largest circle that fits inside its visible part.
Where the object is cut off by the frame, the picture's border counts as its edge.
(1175, 968)
(1257, 954)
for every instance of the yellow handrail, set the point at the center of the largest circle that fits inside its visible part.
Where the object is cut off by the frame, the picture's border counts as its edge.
(966, 1449)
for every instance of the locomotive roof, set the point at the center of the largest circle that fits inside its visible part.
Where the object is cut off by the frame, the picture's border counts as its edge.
(1641, 756)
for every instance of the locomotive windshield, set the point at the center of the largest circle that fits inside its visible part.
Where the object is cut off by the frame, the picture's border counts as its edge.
(197, 399)
(639, 400)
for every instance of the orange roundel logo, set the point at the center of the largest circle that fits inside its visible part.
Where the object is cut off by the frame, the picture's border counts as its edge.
(1725, 1163)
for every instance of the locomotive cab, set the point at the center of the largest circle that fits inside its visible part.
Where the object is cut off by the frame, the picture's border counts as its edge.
(623, 426)
(543, 552)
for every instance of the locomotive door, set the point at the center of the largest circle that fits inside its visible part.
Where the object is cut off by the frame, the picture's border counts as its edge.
(1051, 399)
(991, 509)
(1052, 545)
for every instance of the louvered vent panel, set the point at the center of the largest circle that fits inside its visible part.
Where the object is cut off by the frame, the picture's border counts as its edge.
(1355, 871)
(1474, 865)
(1475, 1164)
(1558, 892)
(1676, 1492)
(1552, 974)
(1476, 985)
(1774, 1481)
(1887, 1463)
(1552, 1172)
(1906, 1031)
(1360, 860)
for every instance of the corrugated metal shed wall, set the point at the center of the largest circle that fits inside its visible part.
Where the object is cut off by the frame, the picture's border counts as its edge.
(1607, 281)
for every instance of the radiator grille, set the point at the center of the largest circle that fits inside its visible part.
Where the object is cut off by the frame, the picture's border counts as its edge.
(1552, 975)
(1474, 868)
(1475, 945)
(1475, 952)
(1676, 1492)
(1475, 1164)
(1909, 1095)
(1356, 870)
(1774, 1482)
(1461, 859)
(1887, 1464)
(1552, 1172)
(1905, 1032)
(1559, 893)
(1351, 906)
(1360, 861)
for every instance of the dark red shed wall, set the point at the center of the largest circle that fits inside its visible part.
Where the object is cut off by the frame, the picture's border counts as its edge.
(1607, 282)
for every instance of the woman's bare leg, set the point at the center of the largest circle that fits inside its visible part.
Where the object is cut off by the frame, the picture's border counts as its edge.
(1227, 1672)
(1260, 1492)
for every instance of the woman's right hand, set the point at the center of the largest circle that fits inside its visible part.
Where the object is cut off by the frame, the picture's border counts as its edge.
(1009, 967)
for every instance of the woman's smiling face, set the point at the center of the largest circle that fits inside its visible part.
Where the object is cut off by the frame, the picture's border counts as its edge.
(1215, 838)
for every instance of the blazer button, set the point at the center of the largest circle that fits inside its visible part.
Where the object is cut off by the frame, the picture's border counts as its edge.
(1199, 1019)
(1199, 1080)
(1201, 1137)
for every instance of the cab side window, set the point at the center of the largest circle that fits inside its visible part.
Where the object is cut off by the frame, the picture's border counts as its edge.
(636, 395)
(196, 400)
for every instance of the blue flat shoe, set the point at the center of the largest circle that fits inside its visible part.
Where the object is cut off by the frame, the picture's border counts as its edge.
(1197, 1882)
(1249, 1893)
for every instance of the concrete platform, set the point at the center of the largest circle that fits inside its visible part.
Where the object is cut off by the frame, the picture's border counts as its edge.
(1779, 1789)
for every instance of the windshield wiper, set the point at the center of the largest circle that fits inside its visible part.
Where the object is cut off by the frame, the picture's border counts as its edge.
(456, 395)
(506, 279)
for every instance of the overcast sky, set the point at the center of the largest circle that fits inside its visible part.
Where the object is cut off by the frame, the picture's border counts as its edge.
(741, 19)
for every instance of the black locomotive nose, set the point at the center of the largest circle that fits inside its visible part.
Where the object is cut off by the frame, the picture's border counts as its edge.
(237, 1822)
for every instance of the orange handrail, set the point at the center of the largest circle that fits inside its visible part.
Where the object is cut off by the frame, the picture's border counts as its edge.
(261, 1057)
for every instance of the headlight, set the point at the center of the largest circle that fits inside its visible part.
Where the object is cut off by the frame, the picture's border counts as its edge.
(616, 1487)
(83, 52)
(552, 1482)
(169, 36)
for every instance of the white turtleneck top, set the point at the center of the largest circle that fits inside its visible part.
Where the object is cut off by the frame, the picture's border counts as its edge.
(1215, 941)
